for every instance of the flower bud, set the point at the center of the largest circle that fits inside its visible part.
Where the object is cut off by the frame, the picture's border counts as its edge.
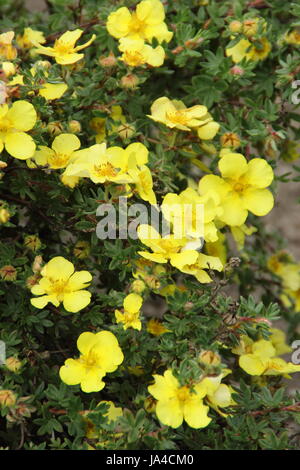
(8, 273)
(138, 286)
(13, 364)
(32, 242)
(2, 165)
(55, 128)
(129, 81)
(250, 27)
(37, 264)
(7, 398)
(209, 358)
(150, 404)
(32, 281)
(126, 131)
(236, 70)
(108, 61)
(235, 27)
(4, 216)
(74, 126)
(82, 249)
(230, 139)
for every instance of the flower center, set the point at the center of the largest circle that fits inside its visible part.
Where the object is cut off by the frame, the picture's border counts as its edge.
(58, 288)
(63, 47)
(90, 360)
(5, 125)
(177, 117)
(183, 393)
(59, 160)
(105, 170)
(133, 58)
(136, 25)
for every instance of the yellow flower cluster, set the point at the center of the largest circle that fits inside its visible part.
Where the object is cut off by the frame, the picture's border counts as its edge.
(226, 200)
(254, 45)
(134, 29)
(260, 357)
(176, 403)
(174, 114)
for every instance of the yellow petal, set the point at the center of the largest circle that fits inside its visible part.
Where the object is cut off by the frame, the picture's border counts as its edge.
(79, 280)
(66, 143)
(86, 341)
(252, 364)
(19, 145)
(118, 23)
(208, 131)
(132, 303)
(258, 201)
(195, 413)
(58, 268)
(165, 386)
(233, 165)
(75, 301)
(260, 173)
(169, 412)
(53, 91)
(72, 372)
(22, 115)
(92, 380)
(69, 37)
(234, 211)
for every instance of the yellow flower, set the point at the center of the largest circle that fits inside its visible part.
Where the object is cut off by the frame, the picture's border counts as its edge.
(7, 50)
(244, 49)
(241, 187)
(14, 123)
(259, 358)
(131, 316)
(156, 328)
(137, 53)
(175, 114)
(99, 164)
(191, 214)
(60, 283)
(29, 38)
(64, 50)
(146, 22)
(164, 248)
(176, 403)
(214, 392)
(112, 414)
(194, 263)
(63, 151)
(293, 37)
(100, 354)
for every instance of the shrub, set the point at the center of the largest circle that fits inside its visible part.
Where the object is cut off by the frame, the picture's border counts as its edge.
(165, 337)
